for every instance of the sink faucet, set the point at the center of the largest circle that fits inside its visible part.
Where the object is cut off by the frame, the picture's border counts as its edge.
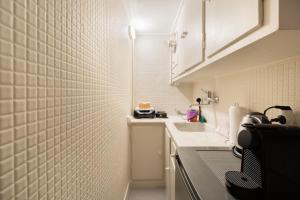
(211, 98)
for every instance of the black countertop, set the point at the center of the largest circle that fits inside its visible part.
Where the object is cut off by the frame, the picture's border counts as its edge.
(206, 171)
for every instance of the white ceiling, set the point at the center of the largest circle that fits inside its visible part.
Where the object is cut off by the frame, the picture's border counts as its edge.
(152, 16)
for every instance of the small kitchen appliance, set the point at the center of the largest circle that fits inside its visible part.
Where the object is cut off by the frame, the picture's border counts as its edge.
(258, 118)
(144, 110)
(144, 113)
(270, 163)
(250, 118)
(161, 114)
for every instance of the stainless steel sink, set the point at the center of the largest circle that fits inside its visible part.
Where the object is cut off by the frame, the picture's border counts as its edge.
(189, 126)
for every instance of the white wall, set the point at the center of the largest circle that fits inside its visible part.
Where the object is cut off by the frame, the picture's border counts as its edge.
(151, 76)
(65, 89)
(276, 83)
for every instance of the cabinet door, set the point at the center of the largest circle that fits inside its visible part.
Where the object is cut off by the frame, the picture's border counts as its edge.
(167, 162)
(172, 178)
(147, 152)
(177, 67)
(172, 169)
(174, 55)
(190, 31)
(228, 21)
(192, 34)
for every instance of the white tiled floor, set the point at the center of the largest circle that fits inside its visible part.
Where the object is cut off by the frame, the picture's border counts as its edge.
(147, 194)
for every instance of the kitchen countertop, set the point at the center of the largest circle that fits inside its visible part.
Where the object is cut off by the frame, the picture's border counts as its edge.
(131, 120)
(207, 140)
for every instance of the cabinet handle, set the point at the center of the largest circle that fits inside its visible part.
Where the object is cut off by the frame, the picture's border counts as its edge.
(167, 168)
(174, 66)
(173, 155)
(184, 34)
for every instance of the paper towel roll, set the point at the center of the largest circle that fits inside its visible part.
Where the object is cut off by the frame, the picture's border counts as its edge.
(236, 113)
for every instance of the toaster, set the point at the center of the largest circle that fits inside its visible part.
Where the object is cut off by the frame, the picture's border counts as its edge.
(144, 113)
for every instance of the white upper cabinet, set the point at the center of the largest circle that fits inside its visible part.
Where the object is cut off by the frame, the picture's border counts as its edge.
(239, 34)
(191, 37)
(227, 21)
(177, 54)
(189, 31)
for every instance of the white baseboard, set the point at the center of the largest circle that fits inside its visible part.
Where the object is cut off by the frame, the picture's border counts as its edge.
(147, 184)
(126, 192)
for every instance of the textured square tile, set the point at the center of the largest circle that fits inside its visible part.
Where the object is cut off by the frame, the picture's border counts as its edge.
(56, 81)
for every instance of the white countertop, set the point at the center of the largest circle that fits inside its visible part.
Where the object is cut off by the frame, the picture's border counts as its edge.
(207, 140)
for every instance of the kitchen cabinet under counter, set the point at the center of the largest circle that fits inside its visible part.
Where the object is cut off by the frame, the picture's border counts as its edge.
(148, 149)
(160, 139)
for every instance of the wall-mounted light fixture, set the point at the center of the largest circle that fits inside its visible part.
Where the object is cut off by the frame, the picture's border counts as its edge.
(131, 32)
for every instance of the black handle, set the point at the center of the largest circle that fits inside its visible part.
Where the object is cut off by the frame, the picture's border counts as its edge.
(278, 107)
(281, 119)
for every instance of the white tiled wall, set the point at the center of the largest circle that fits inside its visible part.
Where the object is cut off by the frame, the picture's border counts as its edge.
(65, 85)
(273, 84)
(151, 76)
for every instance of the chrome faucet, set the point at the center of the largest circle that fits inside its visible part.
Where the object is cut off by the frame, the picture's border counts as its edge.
(211, 98)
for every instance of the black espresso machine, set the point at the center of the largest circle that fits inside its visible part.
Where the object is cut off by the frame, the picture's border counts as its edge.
(270, 166)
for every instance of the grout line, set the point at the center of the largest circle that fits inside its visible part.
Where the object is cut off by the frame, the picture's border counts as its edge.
(46, 98)
(13, 98)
